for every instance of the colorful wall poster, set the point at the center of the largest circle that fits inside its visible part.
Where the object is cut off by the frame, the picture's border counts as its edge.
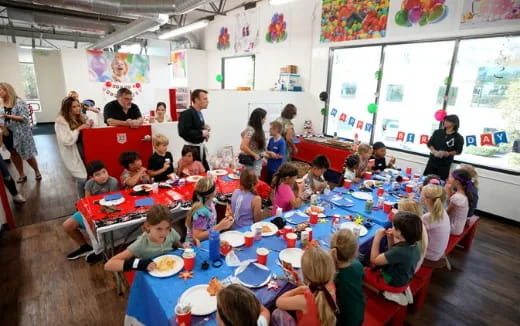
(118, 67)
(223, 42)
(247, 33)
(178, 61)
(346, 20)
(422, 13)
(277, 29)
(480, 13)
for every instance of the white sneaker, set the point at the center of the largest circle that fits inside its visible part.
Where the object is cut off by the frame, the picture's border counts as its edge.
(409, 295)
(399, 298)
(19, 198)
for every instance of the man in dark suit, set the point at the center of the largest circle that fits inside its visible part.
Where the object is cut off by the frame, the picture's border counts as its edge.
(192, 127)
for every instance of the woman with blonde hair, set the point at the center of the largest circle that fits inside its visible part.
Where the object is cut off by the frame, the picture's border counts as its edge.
(413, 206)
(238, 306)
(68, 126)
(17, 133)
(314, 302)
(437, 225)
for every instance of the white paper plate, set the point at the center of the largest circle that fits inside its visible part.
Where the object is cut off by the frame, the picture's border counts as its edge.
(293, 256)
(179, 264)
(234, 176)
(112, 202)
(351, 225)
(220, 172)
(201, 302)
(243, 266)
(234, 238)
(369, 183)
(193, 178)
(273, 227)
(362, 195)
(320, 215)
(145, 187)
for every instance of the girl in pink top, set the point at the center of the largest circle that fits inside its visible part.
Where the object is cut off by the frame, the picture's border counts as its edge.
(188, 165)
(283, 184)
(437, 224)
(314, 302)
(459, 189)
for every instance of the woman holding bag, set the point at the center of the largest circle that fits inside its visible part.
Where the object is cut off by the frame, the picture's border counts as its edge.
(252, 146)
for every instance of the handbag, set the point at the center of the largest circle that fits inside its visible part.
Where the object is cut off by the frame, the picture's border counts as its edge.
(245, 159)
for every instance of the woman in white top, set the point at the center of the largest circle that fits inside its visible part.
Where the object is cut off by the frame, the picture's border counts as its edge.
(68, 126)
(160, 114)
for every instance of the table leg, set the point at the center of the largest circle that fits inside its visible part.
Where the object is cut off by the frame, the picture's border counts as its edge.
(110, 253)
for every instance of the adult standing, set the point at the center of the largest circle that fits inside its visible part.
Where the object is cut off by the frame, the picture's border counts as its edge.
(288, 113)
(8, 180)
(444, 144)
(18, 136)
(121, 112)
(192, 127)
(252, 146)
(160, 113)
(68, 126)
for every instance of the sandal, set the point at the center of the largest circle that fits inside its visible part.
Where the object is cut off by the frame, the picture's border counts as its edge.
(38, 177)
(22, 179)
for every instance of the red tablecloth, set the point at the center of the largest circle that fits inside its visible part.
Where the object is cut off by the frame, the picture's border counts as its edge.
(308, 150)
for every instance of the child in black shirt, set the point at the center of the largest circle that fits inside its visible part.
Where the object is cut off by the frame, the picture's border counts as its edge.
(160, 163)
(378, 154)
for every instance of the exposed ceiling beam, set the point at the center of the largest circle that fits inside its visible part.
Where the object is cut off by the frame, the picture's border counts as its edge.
(210, 12)
(30, 33)
(215, 8)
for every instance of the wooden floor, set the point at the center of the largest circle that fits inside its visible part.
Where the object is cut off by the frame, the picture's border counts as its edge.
(52, 197)
(39, 287)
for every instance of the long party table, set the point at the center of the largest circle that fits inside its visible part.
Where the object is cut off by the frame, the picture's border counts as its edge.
(152, 300)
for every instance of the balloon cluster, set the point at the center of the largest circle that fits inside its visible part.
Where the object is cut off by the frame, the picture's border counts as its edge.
(223, 39)
(421, 12)
(110, 88)
(277, 30)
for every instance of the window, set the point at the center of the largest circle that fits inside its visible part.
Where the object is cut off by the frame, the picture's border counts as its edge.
(352, 88)
(29, 80)
(238, 72)
(487, 76)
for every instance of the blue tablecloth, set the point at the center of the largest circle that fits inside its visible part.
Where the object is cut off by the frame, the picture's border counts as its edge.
(152, 300)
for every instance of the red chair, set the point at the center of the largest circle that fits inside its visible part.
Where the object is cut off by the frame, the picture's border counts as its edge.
(379, 311)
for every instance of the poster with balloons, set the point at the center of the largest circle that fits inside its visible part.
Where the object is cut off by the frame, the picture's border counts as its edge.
(347, 20)
(482, 13)
(178, 61)
(422, 16)
(247, 33)
(277, 29)
(223, 40)
(118, 67)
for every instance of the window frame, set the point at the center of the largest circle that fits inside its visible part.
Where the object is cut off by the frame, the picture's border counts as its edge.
(383, 45)
(223, 65)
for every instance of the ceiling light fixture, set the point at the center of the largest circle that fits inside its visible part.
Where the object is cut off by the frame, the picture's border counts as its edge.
(183, 30)
(36, 47)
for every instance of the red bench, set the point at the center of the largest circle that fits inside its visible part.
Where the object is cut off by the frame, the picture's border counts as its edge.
(379, 311)
(419, 287)
(465, 239)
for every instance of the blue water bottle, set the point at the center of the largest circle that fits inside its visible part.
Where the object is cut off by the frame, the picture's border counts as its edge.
(214, 245)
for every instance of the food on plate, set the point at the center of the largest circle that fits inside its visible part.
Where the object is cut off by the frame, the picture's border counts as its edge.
(302, 226)
(266, 229)
(214, 286)
(165, 264)
(314, 209)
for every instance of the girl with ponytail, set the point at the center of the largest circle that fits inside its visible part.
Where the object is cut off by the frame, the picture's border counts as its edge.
(437, 223)
(314, 302)
(285, 194)
(459, 189)
(202, 216)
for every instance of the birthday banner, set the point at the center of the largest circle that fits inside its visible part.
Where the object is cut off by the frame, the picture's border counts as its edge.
(351, 121)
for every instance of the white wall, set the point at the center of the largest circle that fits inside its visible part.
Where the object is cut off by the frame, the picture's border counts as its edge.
(9, 67)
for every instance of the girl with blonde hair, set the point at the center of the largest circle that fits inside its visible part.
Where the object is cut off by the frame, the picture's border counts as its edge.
(364, 151)
(17, 132)
(314, 302)
(437, 224)
(202, 216)
(413, 206)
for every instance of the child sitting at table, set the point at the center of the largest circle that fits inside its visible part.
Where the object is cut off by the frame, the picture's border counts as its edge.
(399, 261)
(159, 238)
(458, 191)
(364, 151)
(379, 153)
(187, 165)
(160, 163)
(275, 150)
(437, 225)
(314, 302)
(284, 180)
(313, 181)
(202, 216)
(238, 306)
(99, 183)
(413, 206)
(246, 205)
(350, 167)
(474, 194)
(349, 279)
(134, 172)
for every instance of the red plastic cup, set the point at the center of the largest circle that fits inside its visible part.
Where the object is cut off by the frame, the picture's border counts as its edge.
(310, 233)
(249, 239)
(152, 113)
(286, 230)
(291, 240)
(409, 188)
(416, 175)
(405, 179)
(391, 215)
(408, 171)
(368, 175)
(387, 207)
(380, 191)
(314, 218)
(189, 263)
(184, 319)
(347, 183)
(261, 255)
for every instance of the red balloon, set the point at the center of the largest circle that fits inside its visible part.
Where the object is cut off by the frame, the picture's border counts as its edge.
(108, 84)
(138, 85)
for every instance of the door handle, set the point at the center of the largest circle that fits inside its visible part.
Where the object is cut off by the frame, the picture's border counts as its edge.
(147, 138)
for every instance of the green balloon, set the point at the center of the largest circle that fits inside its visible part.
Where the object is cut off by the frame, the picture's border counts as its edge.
(401, 18)
(447, 80)
(219, 78)
(324, 111)
(372, 108)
